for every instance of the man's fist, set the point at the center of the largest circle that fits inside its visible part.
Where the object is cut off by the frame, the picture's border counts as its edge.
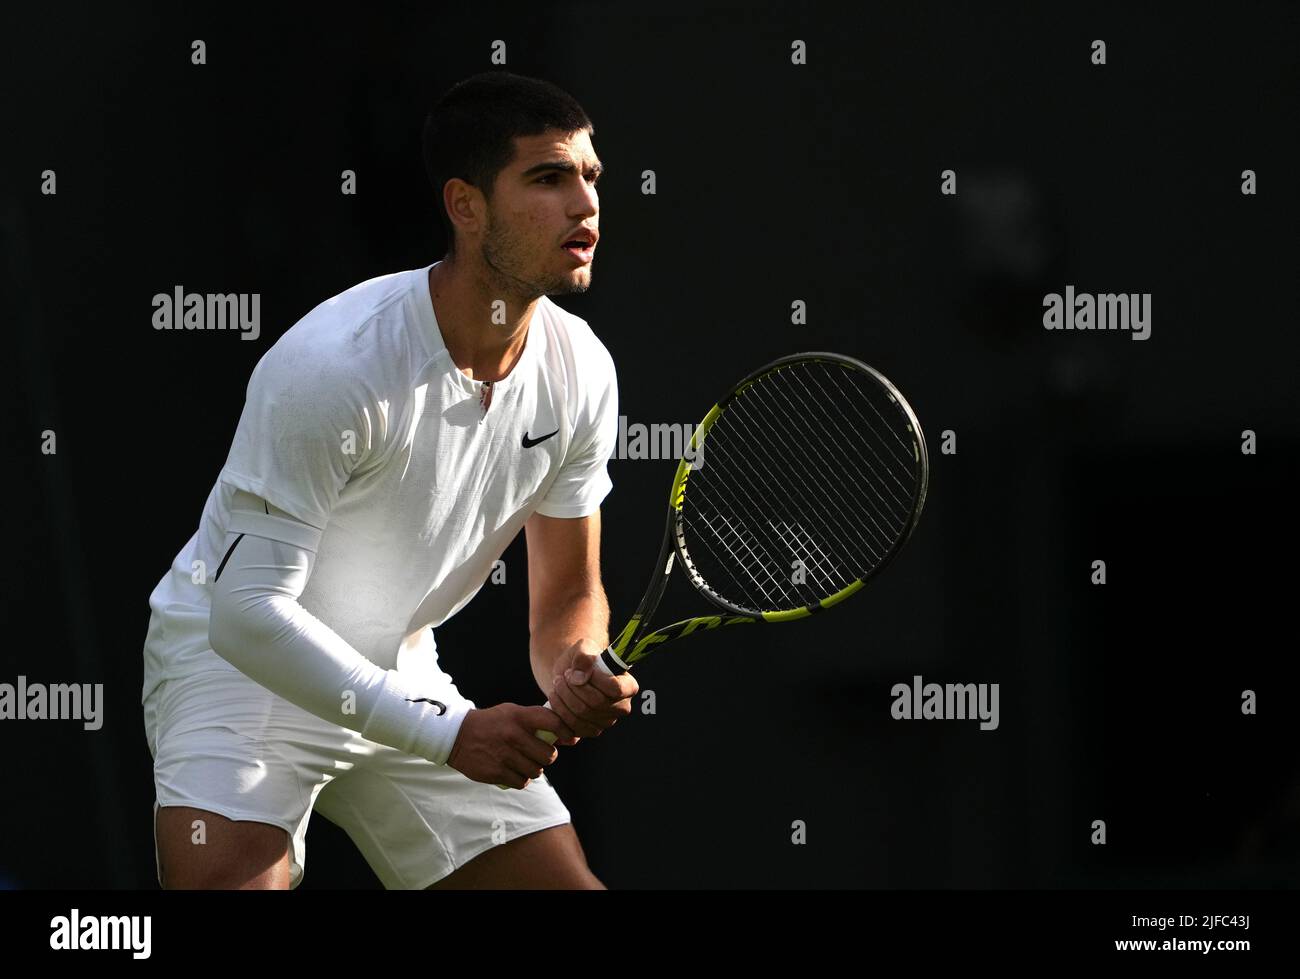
(586, 698)
(500, 745)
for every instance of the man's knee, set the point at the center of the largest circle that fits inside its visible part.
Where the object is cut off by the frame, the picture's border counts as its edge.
(200, 850)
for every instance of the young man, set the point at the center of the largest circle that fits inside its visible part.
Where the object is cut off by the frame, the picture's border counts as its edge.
(392, 443)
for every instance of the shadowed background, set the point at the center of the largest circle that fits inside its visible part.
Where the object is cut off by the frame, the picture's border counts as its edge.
(775, 183)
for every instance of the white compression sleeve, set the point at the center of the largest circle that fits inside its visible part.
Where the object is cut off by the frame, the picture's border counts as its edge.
(258, 625)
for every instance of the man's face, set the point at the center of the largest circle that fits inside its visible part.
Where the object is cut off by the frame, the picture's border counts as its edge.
(544, 199)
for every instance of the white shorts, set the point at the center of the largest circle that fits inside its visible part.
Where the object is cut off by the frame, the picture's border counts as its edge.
(224, 743)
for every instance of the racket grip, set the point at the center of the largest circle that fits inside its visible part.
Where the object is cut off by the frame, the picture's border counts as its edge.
(611, 664)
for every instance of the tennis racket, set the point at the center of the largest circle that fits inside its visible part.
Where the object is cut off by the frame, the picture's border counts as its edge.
(802, 484)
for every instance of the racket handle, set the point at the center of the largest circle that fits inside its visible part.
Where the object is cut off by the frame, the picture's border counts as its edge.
(611, 664)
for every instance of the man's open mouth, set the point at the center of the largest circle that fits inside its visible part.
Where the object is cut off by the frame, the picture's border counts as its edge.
(579, 249)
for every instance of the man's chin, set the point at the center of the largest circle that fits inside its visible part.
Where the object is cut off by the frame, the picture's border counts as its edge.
(578, 282)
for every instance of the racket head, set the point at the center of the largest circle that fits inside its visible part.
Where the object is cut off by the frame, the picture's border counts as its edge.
(802, 484)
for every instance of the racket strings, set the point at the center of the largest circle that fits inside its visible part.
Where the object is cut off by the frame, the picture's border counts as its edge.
(905, 459)
(819, 519)
(812, 463)
(871, 537)
(875, 531)
(775, 596)
(758, 538)
(761, 540)
(862, 468)
(865, 446)
(762, 544)
(760, 500)
(753, 554)
(893, 510)
(785, 590)
(765, 503)
(881, 534)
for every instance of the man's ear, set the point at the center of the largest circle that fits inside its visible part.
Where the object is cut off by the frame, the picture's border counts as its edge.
(465, 205)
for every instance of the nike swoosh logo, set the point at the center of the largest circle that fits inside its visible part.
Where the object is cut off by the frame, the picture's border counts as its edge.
(529, 443)
(442, 708)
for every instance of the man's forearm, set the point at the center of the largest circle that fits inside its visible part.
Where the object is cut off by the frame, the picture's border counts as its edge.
(257, 624)
(583, 617)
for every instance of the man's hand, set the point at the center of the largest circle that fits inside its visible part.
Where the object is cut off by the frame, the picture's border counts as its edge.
(500, 745)
(586, 698)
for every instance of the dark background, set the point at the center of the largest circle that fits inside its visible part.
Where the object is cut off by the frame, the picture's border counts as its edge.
(776, 182)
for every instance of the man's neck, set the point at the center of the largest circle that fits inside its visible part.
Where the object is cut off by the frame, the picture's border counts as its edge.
(485, 341)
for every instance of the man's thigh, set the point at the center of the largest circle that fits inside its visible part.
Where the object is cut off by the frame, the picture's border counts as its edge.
(548, 859)
(198, 849)
(416, 823)
(245, 766)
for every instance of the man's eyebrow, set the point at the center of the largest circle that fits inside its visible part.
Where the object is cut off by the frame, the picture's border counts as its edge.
(560, 166)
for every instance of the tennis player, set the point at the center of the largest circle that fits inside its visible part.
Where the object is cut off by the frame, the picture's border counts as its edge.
(392, 443)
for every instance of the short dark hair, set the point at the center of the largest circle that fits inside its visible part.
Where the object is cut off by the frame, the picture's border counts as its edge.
(470, 132)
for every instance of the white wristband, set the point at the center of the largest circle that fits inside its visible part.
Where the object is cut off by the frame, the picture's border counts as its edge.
(416, 718)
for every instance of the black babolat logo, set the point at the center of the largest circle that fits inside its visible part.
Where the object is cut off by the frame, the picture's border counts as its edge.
(529, 443)
(442, 708)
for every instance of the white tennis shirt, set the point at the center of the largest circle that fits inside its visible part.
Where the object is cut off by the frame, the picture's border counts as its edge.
(358, 423)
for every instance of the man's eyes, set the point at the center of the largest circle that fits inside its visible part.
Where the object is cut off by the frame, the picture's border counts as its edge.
(552, 177)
